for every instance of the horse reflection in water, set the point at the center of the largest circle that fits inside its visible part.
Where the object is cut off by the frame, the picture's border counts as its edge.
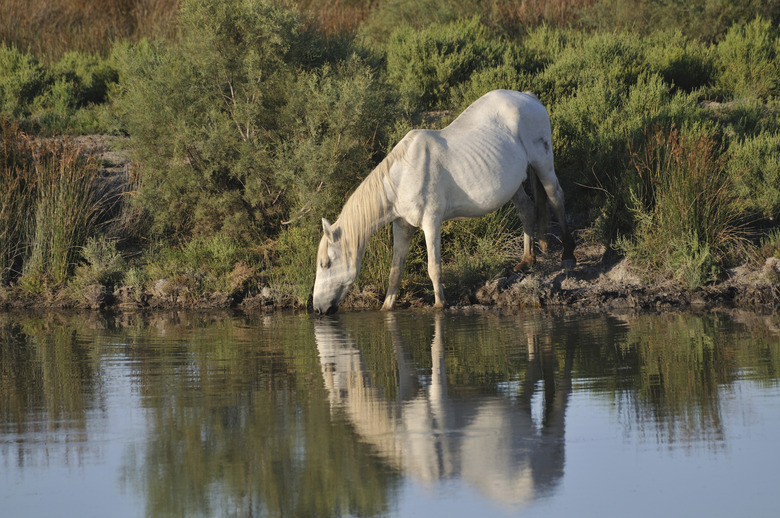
(510, 448)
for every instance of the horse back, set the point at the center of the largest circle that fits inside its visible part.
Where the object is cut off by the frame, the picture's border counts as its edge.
(474, 165)
(520, 114)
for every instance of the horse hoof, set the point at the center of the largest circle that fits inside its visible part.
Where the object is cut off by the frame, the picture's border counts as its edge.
(568, 263)
(523, 266)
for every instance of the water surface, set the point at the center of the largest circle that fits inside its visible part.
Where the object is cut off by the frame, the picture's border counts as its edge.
(401, 414)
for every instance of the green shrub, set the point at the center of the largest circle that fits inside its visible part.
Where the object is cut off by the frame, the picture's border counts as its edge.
(479, 249)
(429, 66)
(593, 132)
(22, 79)
(770, 244)
(754, 166)
(615, 58)
(331, 129)
(705, 20)
(749, 60)
(202, 265)
(389, 15)
(296, 258)
(682, 62)
(225, 139)
(101, 272)
(54, 99)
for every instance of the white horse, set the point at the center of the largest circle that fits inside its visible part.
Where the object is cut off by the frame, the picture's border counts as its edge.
(470, 168)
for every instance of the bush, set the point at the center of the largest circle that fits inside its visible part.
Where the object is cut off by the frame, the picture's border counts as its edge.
(22, 79)
(54, 99)
(593, 132)
(332, 129)
(296, 253)
(430, 66)
(683, 63)
(224, 136)
(754, 166)
(201, 266)
(749, 60)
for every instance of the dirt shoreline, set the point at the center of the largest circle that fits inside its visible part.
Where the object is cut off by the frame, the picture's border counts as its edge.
(595, 283)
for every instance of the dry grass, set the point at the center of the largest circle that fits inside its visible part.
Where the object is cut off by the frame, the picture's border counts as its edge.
(516, 13)
(49, 28)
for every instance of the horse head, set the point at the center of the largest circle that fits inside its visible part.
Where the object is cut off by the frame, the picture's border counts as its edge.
(336, 270)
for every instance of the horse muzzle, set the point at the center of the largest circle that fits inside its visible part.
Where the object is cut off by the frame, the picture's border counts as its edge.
(325, 309)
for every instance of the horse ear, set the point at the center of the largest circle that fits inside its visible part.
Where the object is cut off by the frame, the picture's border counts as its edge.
(327, 230)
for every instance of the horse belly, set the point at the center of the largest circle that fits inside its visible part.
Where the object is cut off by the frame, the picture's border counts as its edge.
(485, 174)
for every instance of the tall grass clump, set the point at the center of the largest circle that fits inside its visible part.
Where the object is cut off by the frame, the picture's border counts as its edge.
(67, 208)
(686, 213)
(17, 196)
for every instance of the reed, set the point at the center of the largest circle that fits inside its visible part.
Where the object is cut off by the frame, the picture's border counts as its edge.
(686, 210)
(66, 209)
(17, 185)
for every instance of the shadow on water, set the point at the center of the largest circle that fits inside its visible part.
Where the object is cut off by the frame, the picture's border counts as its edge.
(228, 414)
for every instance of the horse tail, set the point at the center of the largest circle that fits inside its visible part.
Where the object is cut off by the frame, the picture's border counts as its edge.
(542, 211)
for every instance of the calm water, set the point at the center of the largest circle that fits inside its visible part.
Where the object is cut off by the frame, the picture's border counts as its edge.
(407, 414)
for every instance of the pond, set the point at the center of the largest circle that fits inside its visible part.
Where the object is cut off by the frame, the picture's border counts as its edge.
(409, 413)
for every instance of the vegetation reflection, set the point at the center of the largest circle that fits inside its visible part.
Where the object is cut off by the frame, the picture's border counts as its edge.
(288, 415)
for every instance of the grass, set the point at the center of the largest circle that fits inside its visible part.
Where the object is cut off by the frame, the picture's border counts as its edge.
(685, 209)
(67, 208)
(50, 206)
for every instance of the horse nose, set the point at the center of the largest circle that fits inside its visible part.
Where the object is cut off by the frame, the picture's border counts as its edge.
(325, 310)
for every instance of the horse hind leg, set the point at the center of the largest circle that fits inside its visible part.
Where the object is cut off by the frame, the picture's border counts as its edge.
(525, 210)
(555, 196)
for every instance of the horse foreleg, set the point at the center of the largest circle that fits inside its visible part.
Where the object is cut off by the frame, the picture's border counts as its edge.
(402, 238)
(432, 230)
(525, 210)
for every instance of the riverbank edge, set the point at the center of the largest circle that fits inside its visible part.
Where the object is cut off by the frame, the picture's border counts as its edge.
(596, 282)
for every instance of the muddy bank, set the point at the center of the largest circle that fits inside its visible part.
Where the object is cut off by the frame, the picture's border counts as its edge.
(596, 282)
(616, 284)
(599, 282)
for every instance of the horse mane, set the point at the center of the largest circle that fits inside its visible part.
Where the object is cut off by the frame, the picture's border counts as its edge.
(363, 212)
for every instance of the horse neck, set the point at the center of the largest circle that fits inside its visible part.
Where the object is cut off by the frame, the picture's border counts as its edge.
(368, 209)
